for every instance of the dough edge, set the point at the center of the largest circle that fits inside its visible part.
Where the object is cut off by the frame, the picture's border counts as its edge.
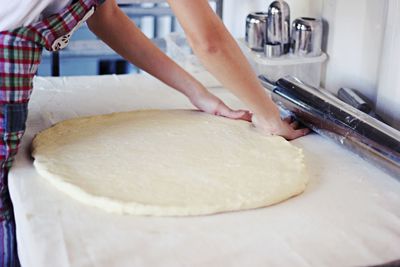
(134, 208)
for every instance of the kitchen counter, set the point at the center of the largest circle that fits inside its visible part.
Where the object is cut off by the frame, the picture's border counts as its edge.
(349, 214)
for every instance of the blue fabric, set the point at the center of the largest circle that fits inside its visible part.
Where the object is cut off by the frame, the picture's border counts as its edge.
(15, 116)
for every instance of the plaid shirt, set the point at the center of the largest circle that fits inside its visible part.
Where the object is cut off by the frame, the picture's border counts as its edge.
(20, 53)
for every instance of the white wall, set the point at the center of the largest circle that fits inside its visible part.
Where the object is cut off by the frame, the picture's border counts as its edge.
(354, 44)
(388, 94)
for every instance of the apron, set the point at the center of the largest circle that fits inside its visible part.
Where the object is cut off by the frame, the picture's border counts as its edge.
(20, 53)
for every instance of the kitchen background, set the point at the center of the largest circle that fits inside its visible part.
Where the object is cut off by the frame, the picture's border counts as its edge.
(361, 39)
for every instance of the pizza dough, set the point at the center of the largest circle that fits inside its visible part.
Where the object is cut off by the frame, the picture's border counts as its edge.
(168, 163)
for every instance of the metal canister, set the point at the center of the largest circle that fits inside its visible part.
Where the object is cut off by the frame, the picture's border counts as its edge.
(306, 37)
(272, 50)
(278, 26)
(256, 26)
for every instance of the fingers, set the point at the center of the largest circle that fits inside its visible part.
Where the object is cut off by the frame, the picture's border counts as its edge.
(225, 111)
(247, 115)
(292, 129)
(237, 114)
(288, 129)
(294, 125)
(288, 120)
(292, 122)
(293, 134)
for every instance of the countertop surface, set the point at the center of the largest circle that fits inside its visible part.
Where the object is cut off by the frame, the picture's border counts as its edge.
(349, 214)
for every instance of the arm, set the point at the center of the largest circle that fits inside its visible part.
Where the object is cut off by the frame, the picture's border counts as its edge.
(220, 54)
(111, 25)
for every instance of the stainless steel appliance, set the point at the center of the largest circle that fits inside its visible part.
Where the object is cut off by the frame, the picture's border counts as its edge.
(278, 27)
(256, 25)
(306, 37)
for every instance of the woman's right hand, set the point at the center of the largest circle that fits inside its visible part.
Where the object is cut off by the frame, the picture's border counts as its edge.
(276, 126)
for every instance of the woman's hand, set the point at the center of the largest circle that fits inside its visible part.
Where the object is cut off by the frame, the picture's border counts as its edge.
(209, 103)
(276, 126)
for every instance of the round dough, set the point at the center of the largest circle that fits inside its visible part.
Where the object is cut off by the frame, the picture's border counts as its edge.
(168, 163)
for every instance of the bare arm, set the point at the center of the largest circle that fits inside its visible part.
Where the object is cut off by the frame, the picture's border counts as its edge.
(219, 52)
(111, 25)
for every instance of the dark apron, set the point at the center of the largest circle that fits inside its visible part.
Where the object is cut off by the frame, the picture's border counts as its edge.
(20, 54)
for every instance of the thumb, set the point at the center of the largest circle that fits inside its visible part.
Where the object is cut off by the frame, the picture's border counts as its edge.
(243, 115)
(235, 114)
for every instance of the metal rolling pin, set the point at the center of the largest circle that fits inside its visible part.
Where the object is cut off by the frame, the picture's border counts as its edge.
(330, 117)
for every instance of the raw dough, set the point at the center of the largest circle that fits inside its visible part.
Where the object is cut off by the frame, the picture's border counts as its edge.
(168, 163)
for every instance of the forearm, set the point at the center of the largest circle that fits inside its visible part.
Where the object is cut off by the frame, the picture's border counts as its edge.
(225, 60)
(221, 55)
(215, 47)
(111, 25)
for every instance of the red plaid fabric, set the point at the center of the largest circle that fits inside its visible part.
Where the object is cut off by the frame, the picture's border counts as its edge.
(20, 52)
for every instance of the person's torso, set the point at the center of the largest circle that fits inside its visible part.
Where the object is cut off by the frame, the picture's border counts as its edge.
(17, 13)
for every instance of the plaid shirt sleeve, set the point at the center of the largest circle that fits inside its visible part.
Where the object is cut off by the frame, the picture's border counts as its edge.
(20, 53)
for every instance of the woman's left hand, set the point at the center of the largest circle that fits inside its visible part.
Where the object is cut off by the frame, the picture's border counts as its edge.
(209, 103)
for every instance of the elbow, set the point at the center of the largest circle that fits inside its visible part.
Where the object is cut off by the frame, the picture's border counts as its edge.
(208, 43)
(212, 48)
(103, 15)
